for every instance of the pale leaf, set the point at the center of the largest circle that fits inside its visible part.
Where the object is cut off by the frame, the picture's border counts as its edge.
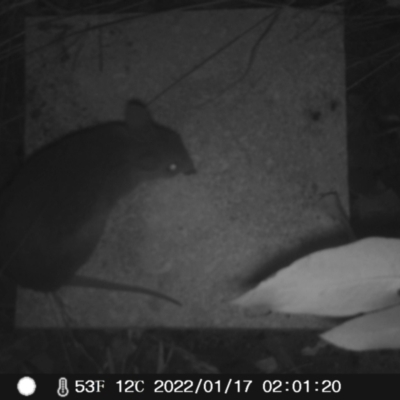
(359, 277)
(378, 330)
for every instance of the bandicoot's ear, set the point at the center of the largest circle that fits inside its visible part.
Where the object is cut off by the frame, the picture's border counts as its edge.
(137, 116)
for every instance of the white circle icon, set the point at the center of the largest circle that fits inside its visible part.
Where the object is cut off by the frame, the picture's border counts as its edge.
(26, 386)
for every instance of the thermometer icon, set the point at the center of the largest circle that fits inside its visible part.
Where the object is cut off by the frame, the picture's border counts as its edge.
(62, 390)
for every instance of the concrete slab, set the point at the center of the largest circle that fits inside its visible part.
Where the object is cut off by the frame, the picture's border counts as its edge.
(264, 120)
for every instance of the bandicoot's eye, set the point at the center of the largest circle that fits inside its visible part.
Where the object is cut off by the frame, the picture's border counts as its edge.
(172, 167)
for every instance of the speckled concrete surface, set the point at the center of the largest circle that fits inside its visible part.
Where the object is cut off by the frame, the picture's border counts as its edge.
(266, 132)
